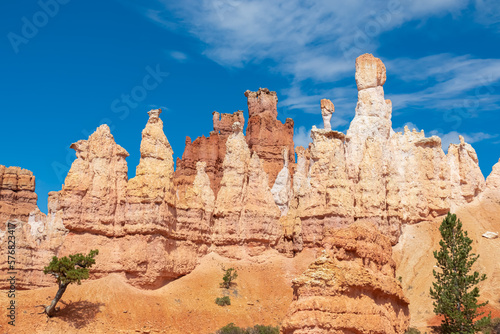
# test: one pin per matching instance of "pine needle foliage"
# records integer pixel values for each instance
(455, 290)
(67, 270)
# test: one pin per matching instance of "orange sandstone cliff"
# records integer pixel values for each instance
(350, 288)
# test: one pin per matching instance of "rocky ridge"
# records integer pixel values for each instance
(350, 288)
(242, 195)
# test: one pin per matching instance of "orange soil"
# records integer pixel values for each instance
(261, 295)
(495, 313)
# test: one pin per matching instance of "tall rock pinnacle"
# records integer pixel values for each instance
(327, 109)
(265, 134)
(153, 180)
(373, 112)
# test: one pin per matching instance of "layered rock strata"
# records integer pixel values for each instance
(374, 174)
(95, 184)
(33, 237)
(350, 288)
(132, 222)
(240, 195)
(210, 150)
(17, 193)
(245, 212)
(327, 109)
(266, 135)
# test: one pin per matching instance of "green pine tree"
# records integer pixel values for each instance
(66, 271)
(455, 291)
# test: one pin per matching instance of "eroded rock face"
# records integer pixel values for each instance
(266, 135)
(324, 192)
(36, 236)
(350, 288)
(150, 200)
(327, 109)
(282, 189)
(17, 193)
(493, 180)
(373, 112)
(245, 212)
(466, 179)
(370, 72)
(418, 185)
(375, 175)
(95, 184)
(131, 222)
(262, 101)
(210, 150)
(241, 195)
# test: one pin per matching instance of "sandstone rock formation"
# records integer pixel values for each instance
(194, 213)
(266, 135)
(17, 193)
(327, 109)
(493, 180)
(350, 288)
(324, 192)
(245, 212)
(210, 150)
(241, 195)
(149, 202)
(96, 183)
(35, 236)
(466, 179)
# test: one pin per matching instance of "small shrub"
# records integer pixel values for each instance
(492, 328)
(412, 330)
(223, 301)
(229, 276)
(257, 329)
(230, 329)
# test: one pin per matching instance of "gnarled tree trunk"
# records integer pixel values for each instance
(51, 309)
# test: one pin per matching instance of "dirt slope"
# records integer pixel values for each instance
(261, 295)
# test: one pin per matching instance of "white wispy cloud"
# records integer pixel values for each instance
(488, 13)
(302, 137)
(317, 41)
(179, 56)
(458, 86)
(305, 39)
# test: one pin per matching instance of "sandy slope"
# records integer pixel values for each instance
(109, 305)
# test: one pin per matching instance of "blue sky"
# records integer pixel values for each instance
(68, 66)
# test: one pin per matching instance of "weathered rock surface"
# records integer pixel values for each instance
(266, 135)
(373, 112)
(210, 150)
(350, 288)
(245, 212)
(17, 193)
(327, 109)
(466, 179)
(33, 237)
(324, 192)
(493, 180)
(241, 195)
(149, 203)
(96, 183)
(417, 182)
